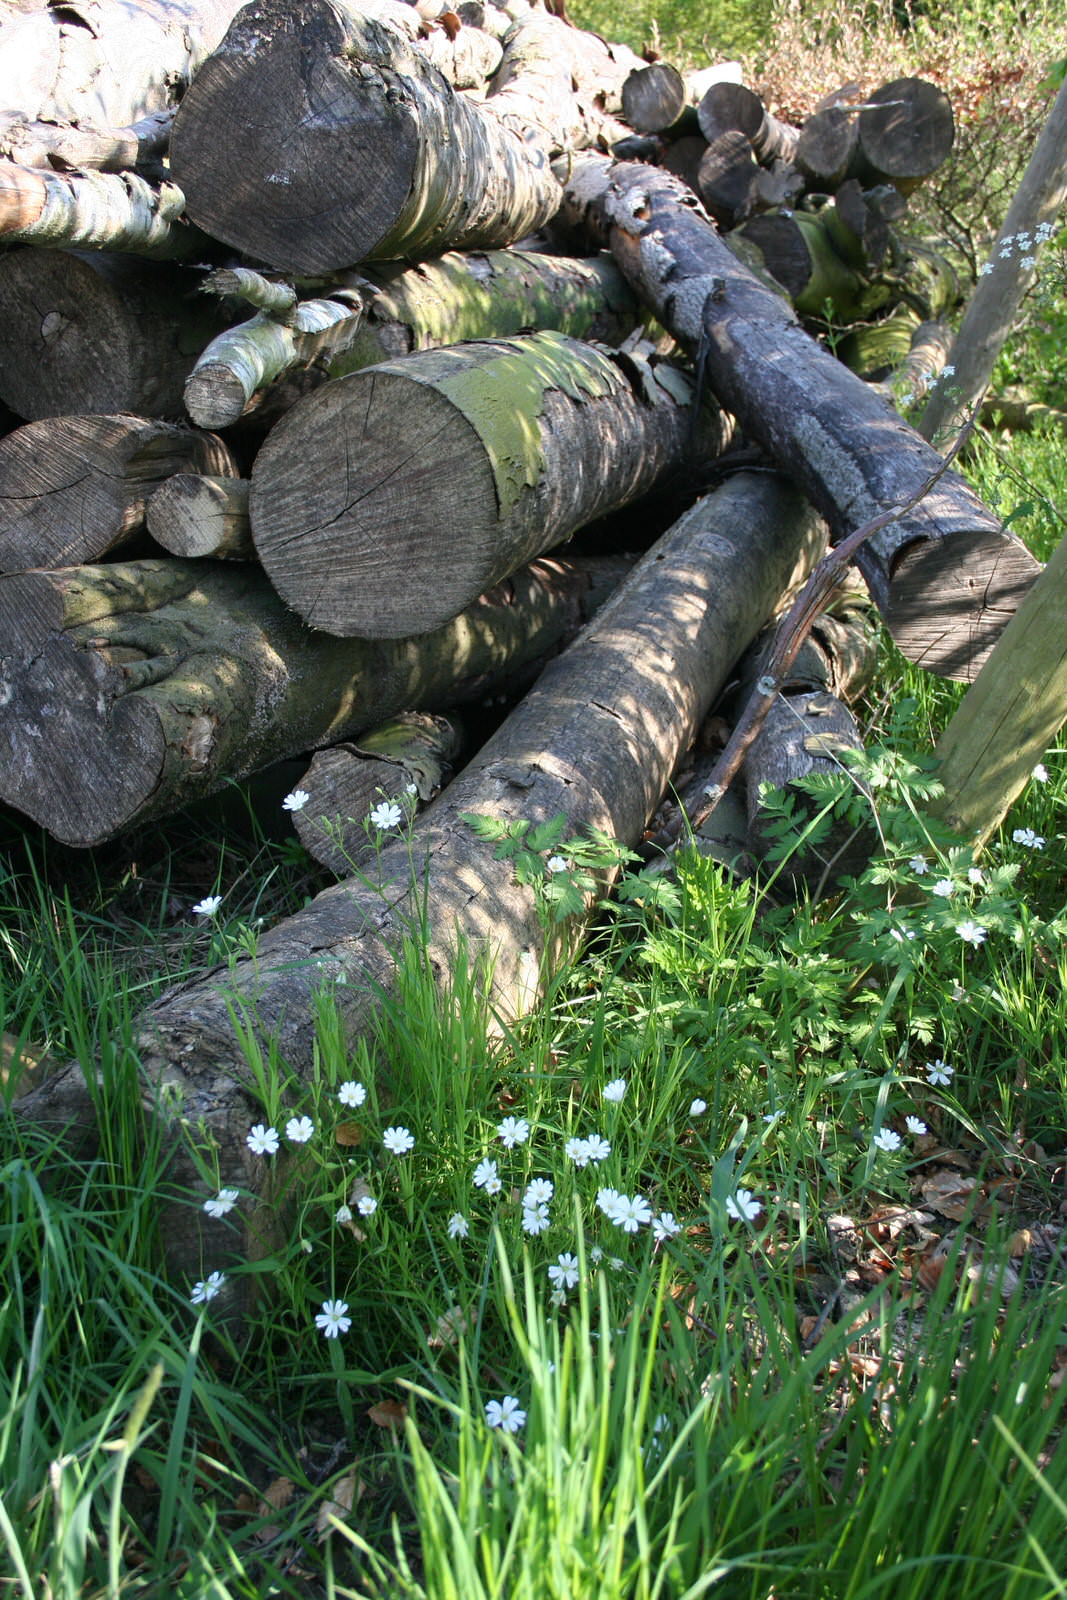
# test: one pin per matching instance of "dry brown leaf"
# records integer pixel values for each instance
(347, 1492)
(451, 1324)
(348, 1134)
(277, 1494)
(388, 1413)
(950, 1193)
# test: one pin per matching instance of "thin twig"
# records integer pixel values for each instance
(789, 635)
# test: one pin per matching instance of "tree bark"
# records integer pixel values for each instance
(131, 690)
(386, 501)
(417, 751)
(479, 295)
(355, 148)
(906, 130)
(141, 145)
(989, 315)
(945, 575)
(73, 488)
(195, 515)
(104, 65)
(98, 333)
(730, 107)
(596, 739)
(95, 211)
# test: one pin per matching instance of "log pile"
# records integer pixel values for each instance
(302, 415)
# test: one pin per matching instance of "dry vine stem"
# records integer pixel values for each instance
(788, 638)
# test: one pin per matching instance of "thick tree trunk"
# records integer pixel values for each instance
(731, 107)
(196, 515)
(104, 64)
(98, 333)
(946, 575)
(131, 690)
(596, 739)
(95, 211)
(353, 146)
(558, 85)
(386, 501)
(487, 294)
(900, 135)
(73, 488)
(405, 761)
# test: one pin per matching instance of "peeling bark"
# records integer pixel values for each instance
(946, 575)
(95, 211)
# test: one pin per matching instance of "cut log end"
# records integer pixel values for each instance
(950, 600)
(395, 529)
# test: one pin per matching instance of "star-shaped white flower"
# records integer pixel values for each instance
(971, 933)
(298, 1130)
(386, 815)
(513, 1131)
(296, 801)
(631, 1212)
(207, 1288)
(539, 1191)
(535, 1218)
(939, 1073)
(742, 1206)
(398, 1140)
(555, 864)
(223, 1202)
(665, 1226)
(263, 1141)
(915, 1125)
(333, 1319)
(366, 1205)
(506, 1414)
(351, 1094)
(615, 1090)
(485, 1173)
(697, 1107)
(887, 1140)
(1028, 838)
(563, 1274)
(458, 1226)
(208, 906)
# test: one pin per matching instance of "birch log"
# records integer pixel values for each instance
(95, 211)
(945, 575)
(384, 502)
(130, 690)
(596, 739)
(353, 147)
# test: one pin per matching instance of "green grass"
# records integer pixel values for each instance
(828, 1370)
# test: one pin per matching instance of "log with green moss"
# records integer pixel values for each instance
(945, 573)
(384, 502)
(394, 309)
(128, 691)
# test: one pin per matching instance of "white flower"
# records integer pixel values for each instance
(411, 788)
(698, 1107)
(608, 1201)
(939, 1072)
(484, 1174)
(915, 1125)
(493, 1185)
(539, 1191)
(985, 269)
(1005, 253)
(506, 1414)
(366, 1205)
(299, 1129)
(1028, 263)
(1040, 773)
(206, 1289)
(975, 875)
(333, 1318)
(398, 1140)
(296, 801)
(351, 1093)
(918, 865)
(513, 1131)
(535, 1218)
(615, 1090)
(558, 1298)
(208, 906)
(224, 1201)
(887, 1140)
(664, 1226)
(263, 1141)
(742, 1207)
(971, 933)
(564, 1273)
(555, 864)
(943, 887)
(771, 1117)
(597, 1149)
(386, 815)
(1027, 837)
(458, 1226)
(631, 1211)
(948, 372)
(342, 1215)
(577, 1150)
